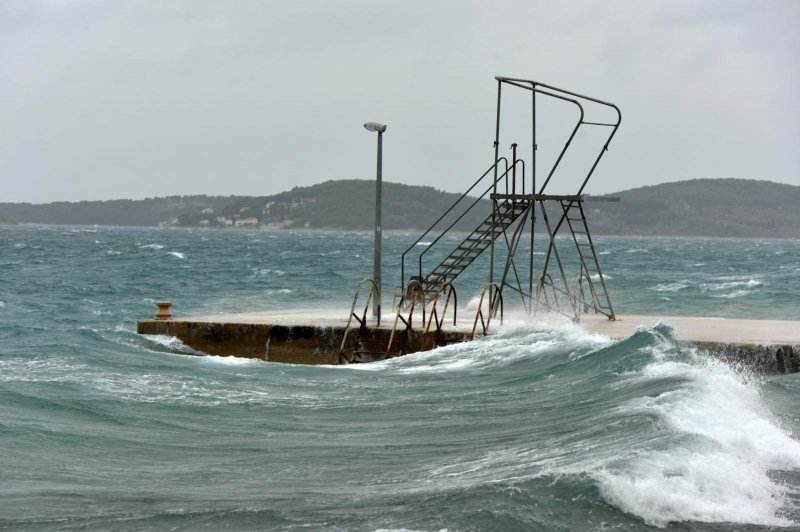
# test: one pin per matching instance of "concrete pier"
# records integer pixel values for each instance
(315, 336)
(294, 336)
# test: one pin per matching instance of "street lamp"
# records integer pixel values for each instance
(376, 262)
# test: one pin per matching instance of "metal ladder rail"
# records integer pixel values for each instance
(552, 251)
(472, 247)
(491, 187)
(606, 309)
(512, 248)
(434, 224)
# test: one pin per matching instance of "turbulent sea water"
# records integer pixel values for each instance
(537, 427)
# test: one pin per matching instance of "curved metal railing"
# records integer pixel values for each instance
(362, 321)
(416, 293)
(495, 295)
(433, 315)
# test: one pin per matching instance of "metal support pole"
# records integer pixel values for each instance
(494, 186)
(376, 265)
(534, 147)
(514, 169)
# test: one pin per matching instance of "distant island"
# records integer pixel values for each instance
(698, 207)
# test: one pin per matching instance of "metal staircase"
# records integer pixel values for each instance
(515, 210)
(474, 244)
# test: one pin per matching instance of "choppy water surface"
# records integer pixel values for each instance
(535, 428)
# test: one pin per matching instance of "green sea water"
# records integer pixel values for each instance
(537, 427)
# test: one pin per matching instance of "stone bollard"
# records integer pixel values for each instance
(163, 312)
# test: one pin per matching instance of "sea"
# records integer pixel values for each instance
(538, 426)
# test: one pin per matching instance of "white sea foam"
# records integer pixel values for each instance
(165, 341)
(151, 246)
(423, 244)
(516, 339)
(728, 284)
(177, 254)
(711, 460)
(670, 287)
(193, 390)
(269, 271)
(278, 291)
(720, 470)
(735, 294)
(228, 361)
(472, 304)
(637, 250)
(2, 304)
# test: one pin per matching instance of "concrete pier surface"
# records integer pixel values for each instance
(703, 330)
(314, 336)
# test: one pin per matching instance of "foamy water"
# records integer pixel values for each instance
(540, 426)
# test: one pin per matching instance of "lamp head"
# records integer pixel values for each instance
(375, 126)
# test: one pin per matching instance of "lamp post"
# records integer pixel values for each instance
(376, 263)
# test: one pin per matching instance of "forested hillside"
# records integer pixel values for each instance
(701, 207)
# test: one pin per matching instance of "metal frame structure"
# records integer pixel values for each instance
(515, 209)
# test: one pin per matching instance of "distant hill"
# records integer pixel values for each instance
(147, 212)
(703, 207)
(699, 207)
(346, 204)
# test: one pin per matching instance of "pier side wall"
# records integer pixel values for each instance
(304, 344)
(759, 358)
(295, 344)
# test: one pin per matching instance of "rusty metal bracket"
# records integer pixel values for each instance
(433, 317)
(495, 296)
(416, 293)
(362, 321)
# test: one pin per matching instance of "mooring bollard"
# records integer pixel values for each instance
(163, 312)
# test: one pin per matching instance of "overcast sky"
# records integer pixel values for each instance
(132, 99)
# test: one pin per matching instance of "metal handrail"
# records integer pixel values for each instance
(504, 175)
(556, 290)
(555, 92)
(415, 289)
(464, 195)
(494, 293)
(541, 284)
(433, 316)
(373, 289)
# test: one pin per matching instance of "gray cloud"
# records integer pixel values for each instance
(103, 100)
